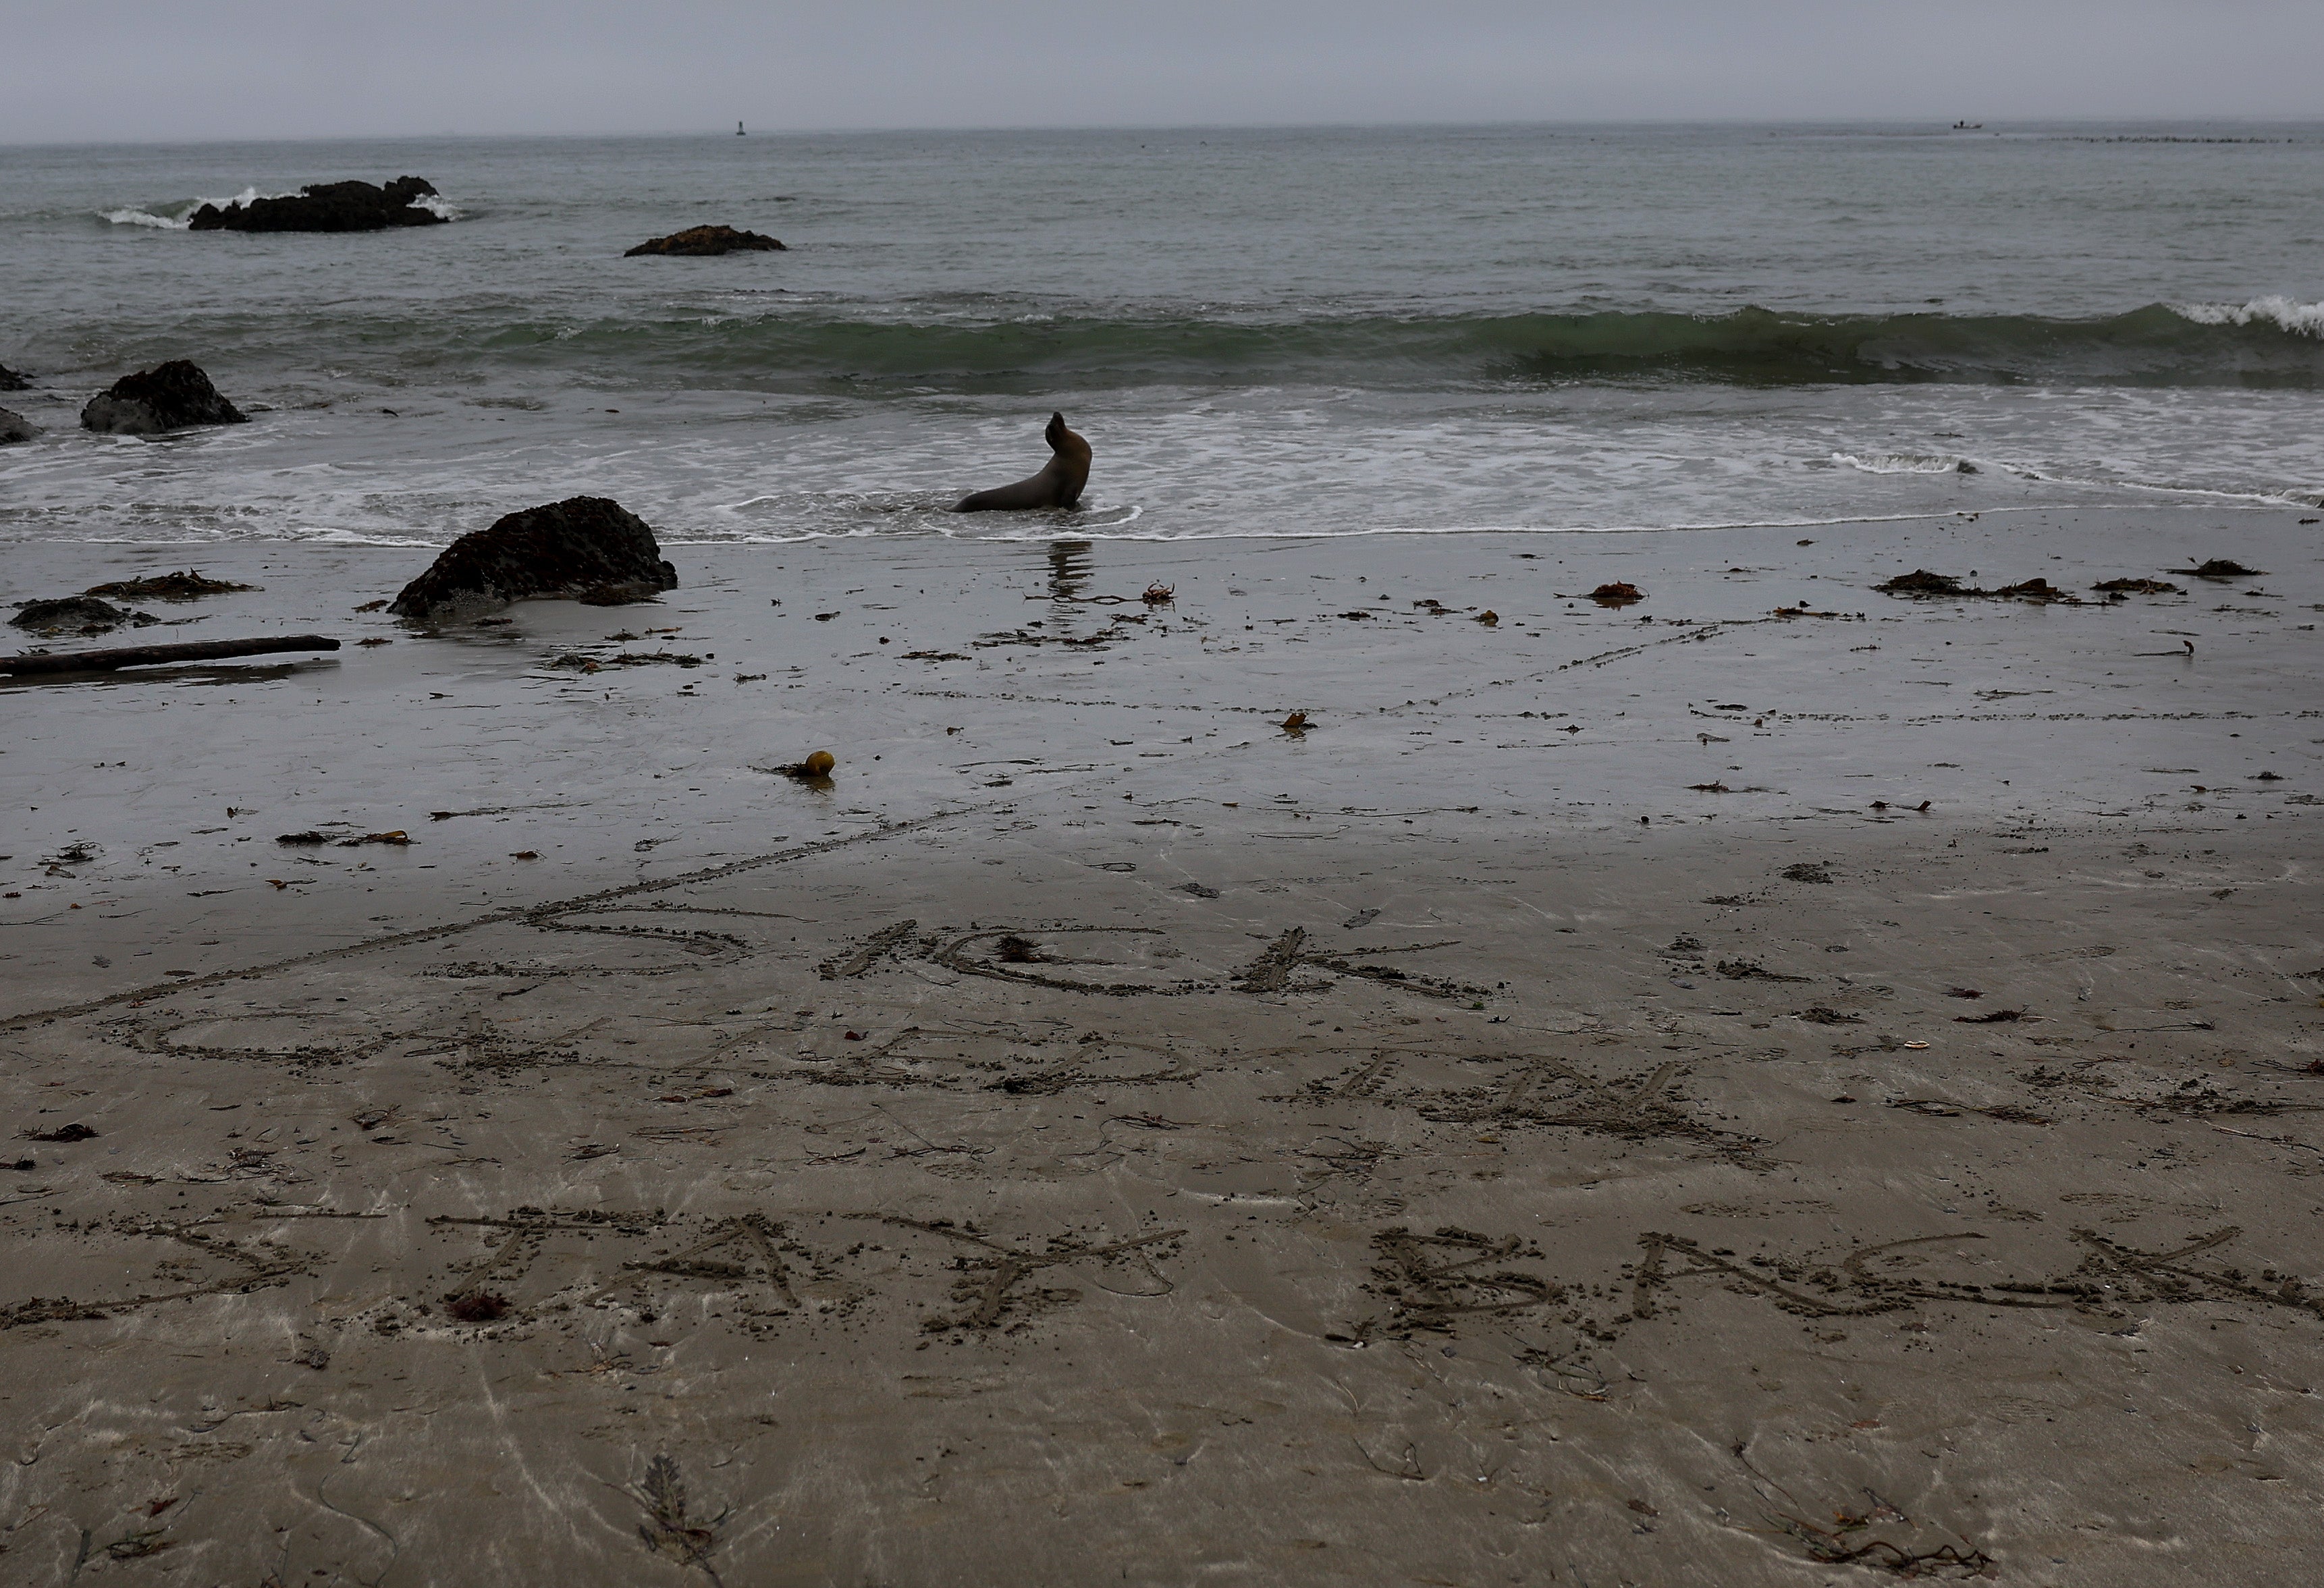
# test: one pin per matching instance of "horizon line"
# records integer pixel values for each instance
(1991, 125)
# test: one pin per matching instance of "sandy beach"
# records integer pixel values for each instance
(1572, 1114)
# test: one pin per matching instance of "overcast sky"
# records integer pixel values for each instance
(150, 70)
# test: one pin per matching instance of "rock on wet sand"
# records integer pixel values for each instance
(586, 547)
(77, 614)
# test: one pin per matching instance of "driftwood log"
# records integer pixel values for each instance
(82, 661)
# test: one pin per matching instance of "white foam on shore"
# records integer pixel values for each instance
(1903, 462)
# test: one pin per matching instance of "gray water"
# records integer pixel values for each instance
(1307, 332)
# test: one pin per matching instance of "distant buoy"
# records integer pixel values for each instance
(739, 131)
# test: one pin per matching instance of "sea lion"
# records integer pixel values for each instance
(1058, 485)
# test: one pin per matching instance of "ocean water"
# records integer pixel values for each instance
(1304, 332)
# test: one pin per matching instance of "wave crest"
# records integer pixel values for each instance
(2305, 319)
(806, 349)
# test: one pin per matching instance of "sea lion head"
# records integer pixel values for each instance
(1064, 442)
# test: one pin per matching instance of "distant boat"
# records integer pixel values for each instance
(1959, 126)
(739, 131)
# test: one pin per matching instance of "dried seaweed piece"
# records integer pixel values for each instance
(75, 1131)
(1746, 970)
(477, 1306)
(1921, 582)
(187, 585)
(669, 1529)
(2220, 567)
(1819, 1015)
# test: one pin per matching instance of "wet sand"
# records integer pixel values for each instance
(1107, 1137)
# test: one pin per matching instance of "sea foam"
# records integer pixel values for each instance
(2305, 319)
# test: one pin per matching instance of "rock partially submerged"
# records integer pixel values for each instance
(701, 242)
(77, 614)
(326, 206)
(11, 381)
(15, 427)
(169, 396)
(585, 547)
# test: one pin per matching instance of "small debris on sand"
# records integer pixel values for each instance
(1745, 969)
(816, 767)
(1921, 585)
(590, 664)
(2220, 567)
(2138, 587)
(1616, 594)
(1921, 582)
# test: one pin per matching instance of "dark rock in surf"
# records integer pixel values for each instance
(326, 206)
(77, 614)
(570, 550)
(702, 242)
(169, 396)
(15, 427)
(11, 381)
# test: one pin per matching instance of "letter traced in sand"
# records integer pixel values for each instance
(1058, 485)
